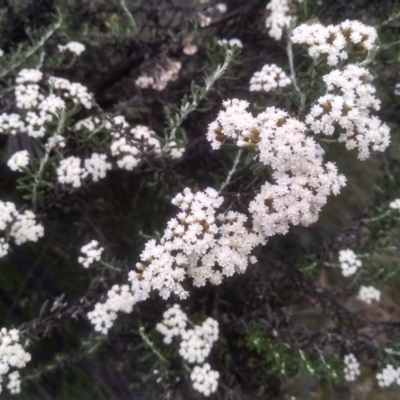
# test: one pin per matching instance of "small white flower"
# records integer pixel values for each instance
(279, 18)
(89, 123)
(70, 171)
(27, 95)
(102, 317)
(351, 368)
(221, 7)
(12, 356)
(29, 75)
(395, 205)
(269, 78)
(35, 123)
(91, 253)
(388, 376)
(14, 382)
(332, 41)
(26, 229)
(173, 323)
(161, 75)
(97, 166)
(189, 49)
(51, 105)
(204, 20)
(130, 149)
(11, 124)
(74, 47)
(347, 105)
(78, 93)
(197, 343)
(119, 299)
(368, 294)
(349, 262)
(230, 43)
(18, 160)
(55, 141)
(205, 380)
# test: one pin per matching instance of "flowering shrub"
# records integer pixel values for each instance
(245, 172)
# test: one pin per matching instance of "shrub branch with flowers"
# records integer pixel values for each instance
(272, 273)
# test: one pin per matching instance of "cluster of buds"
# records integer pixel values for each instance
(162, 74)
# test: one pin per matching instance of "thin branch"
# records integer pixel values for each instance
(35, 48)
(289, 51)
(379, 217)
(151, 345)
(231, 172)
(130, 16)
(43, 161)
(390, 19)
(185, 109)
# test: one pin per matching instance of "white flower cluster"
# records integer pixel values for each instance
(71, 172)
(29, 75)
(97, 166)
(173, 323)
(189, 49)
(161, 76)
(204, 20)
(303, 182)
(278, 18)
(347, 105)
(395, 205)
(205, 380)
(119, 299)
(73, 91)
(11, 123)
(197, 244)
(130, 145)
(333, 41)
(130, 148)
(117, 126)
(18, 160)
(388, 376)
(368, 294)
(193, 245)
(90, 123)
(14, 382)
(27, 95)
(269, 78)
(37, 108)
(22, 226)
(204, 246)
(195, 345)
(74, 47)
(396, 89)
(232, 123)
(91, 253)
(349, 262)
(230, 43)
(221, 7)
(351, 368)
(25, 229)
(54, 141)
(12, 355)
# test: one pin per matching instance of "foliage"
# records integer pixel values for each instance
(286, 324)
